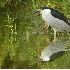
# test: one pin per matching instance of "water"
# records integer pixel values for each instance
(23, 37)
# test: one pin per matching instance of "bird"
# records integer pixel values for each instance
(54, 50)
(55, 19)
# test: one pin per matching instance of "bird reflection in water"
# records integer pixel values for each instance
(54, 50)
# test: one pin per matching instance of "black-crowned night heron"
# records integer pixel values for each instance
(55, 19)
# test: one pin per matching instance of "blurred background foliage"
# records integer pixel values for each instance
(22, 36)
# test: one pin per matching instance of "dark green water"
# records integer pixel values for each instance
(22, 36)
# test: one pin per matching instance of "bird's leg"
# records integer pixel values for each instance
(54, 33)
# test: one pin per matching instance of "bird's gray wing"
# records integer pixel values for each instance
(60, 16)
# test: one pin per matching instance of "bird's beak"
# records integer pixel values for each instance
(37, 11)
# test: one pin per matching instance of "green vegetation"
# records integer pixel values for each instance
(22, 37)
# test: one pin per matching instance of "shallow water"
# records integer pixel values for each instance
(23, 37)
